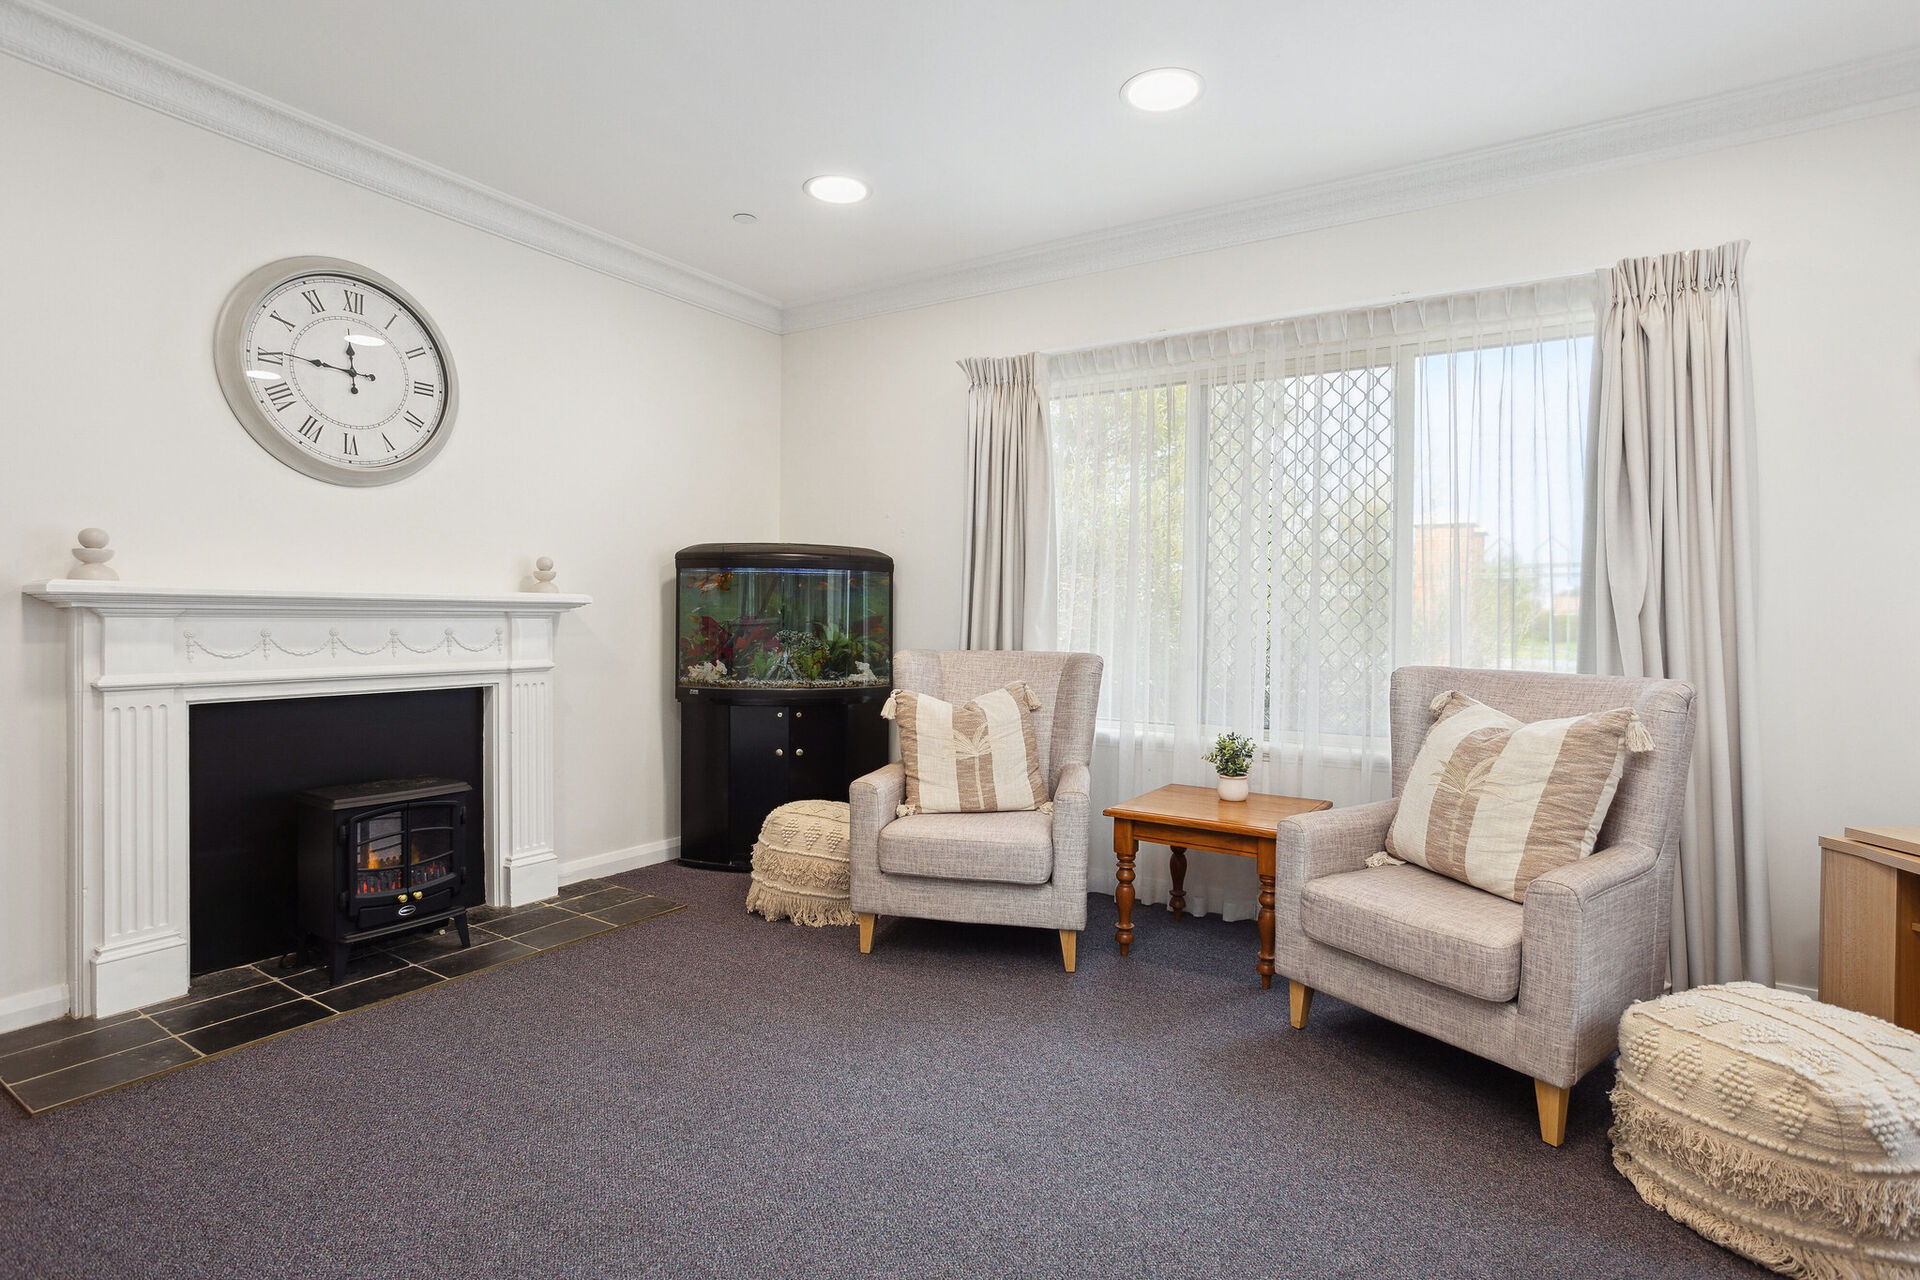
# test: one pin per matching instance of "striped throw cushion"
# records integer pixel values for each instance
(979, 757)
(1494, 802)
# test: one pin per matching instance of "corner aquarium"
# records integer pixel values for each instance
(781, 616)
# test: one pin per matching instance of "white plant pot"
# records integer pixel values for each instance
(1234, 789)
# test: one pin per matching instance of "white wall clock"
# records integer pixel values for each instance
(335, 370)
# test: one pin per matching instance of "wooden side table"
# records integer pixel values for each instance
(1870, 922)
(1184, 818)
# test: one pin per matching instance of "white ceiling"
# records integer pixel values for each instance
(984, 127)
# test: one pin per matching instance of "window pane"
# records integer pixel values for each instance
(1498, 497)
(1120, 481)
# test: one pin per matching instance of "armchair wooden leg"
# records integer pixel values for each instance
(1552, 1101)
(1069, 938)
(1299, 1002)
(866, 919)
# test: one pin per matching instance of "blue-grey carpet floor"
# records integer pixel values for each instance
(713, 1095)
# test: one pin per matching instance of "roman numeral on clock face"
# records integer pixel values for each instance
(280, 394)
(391, 447)
(416, 419)
(352, 446)
(282, 319)
(273, 358)
(355, 302)
(416, 353)
(311, 428)
(313, 300)
(423, 389)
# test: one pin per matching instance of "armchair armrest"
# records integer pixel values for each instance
(1072, 809)
(1578, 885)
(872, 801)
(1313, 845)
(1594, 938)
(1333, 840)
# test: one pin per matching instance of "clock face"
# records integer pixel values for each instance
(335, 370)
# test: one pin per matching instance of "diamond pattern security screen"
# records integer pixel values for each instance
(1307, 460)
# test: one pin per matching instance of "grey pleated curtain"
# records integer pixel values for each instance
(1007, 555)
(1668, 585)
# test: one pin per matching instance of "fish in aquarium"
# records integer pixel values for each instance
(716, 582)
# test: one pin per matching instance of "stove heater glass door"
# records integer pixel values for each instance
(430, 843)
(379, 853)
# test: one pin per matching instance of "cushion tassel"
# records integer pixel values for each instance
(1439, 703)
(1032, 698)
(1638, 739)
(886, 712)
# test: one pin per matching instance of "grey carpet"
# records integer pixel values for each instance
(713, 1095)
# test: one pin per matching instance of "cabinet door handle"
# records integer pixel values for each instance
(799, 751)
(779, 715)
(779, 751)
(796, 715)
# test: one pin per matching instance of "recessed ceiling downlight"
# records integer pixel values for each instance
(1161, 89)
(836, 189)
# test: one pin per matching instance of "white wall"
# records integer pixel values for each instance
(599, 423)
(874, 421)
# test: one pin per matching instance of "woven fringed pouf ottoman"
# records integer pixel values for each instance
(1785, 1129)
(800, 864)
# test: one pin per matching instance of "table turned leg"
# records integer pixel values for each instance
(1124, 847)
(1177, 865)
(1265, 865)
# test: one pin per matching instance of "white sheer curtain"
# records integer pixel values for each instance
(1255, 525)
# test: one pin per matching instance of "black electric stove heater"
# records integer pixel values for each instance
(380, 858)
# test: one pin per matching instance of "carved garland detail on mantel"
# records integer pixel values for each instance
(266, 645)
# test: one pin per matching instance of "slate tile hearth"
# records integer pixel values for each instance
(62, 1061)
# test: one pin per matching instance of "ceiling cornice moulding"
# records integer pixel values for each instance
(70, 46)
(1853, 91)
(81, 51)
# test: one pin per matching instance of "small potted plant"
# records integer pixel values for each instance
(1231, 758)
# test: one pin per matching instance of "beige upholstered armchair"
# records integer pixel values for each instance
(986, 868)
(1538, 986)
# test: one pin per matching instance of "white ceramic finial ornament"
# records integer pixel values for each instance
(93, 554)
(543, 575)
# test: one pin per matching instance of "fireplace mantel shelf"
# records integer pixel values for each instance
(144, 655)
(141, 598)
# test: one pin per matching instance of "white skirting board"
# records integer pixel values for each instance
(32, 1007)
(614, 861)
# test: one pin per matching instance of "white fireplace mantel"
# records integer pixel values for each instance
(142, 655)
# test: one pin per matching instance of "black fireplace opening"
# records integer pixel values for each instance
(248, 762)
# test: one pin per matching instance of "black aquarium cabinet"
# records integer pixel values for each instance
(783, 659)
